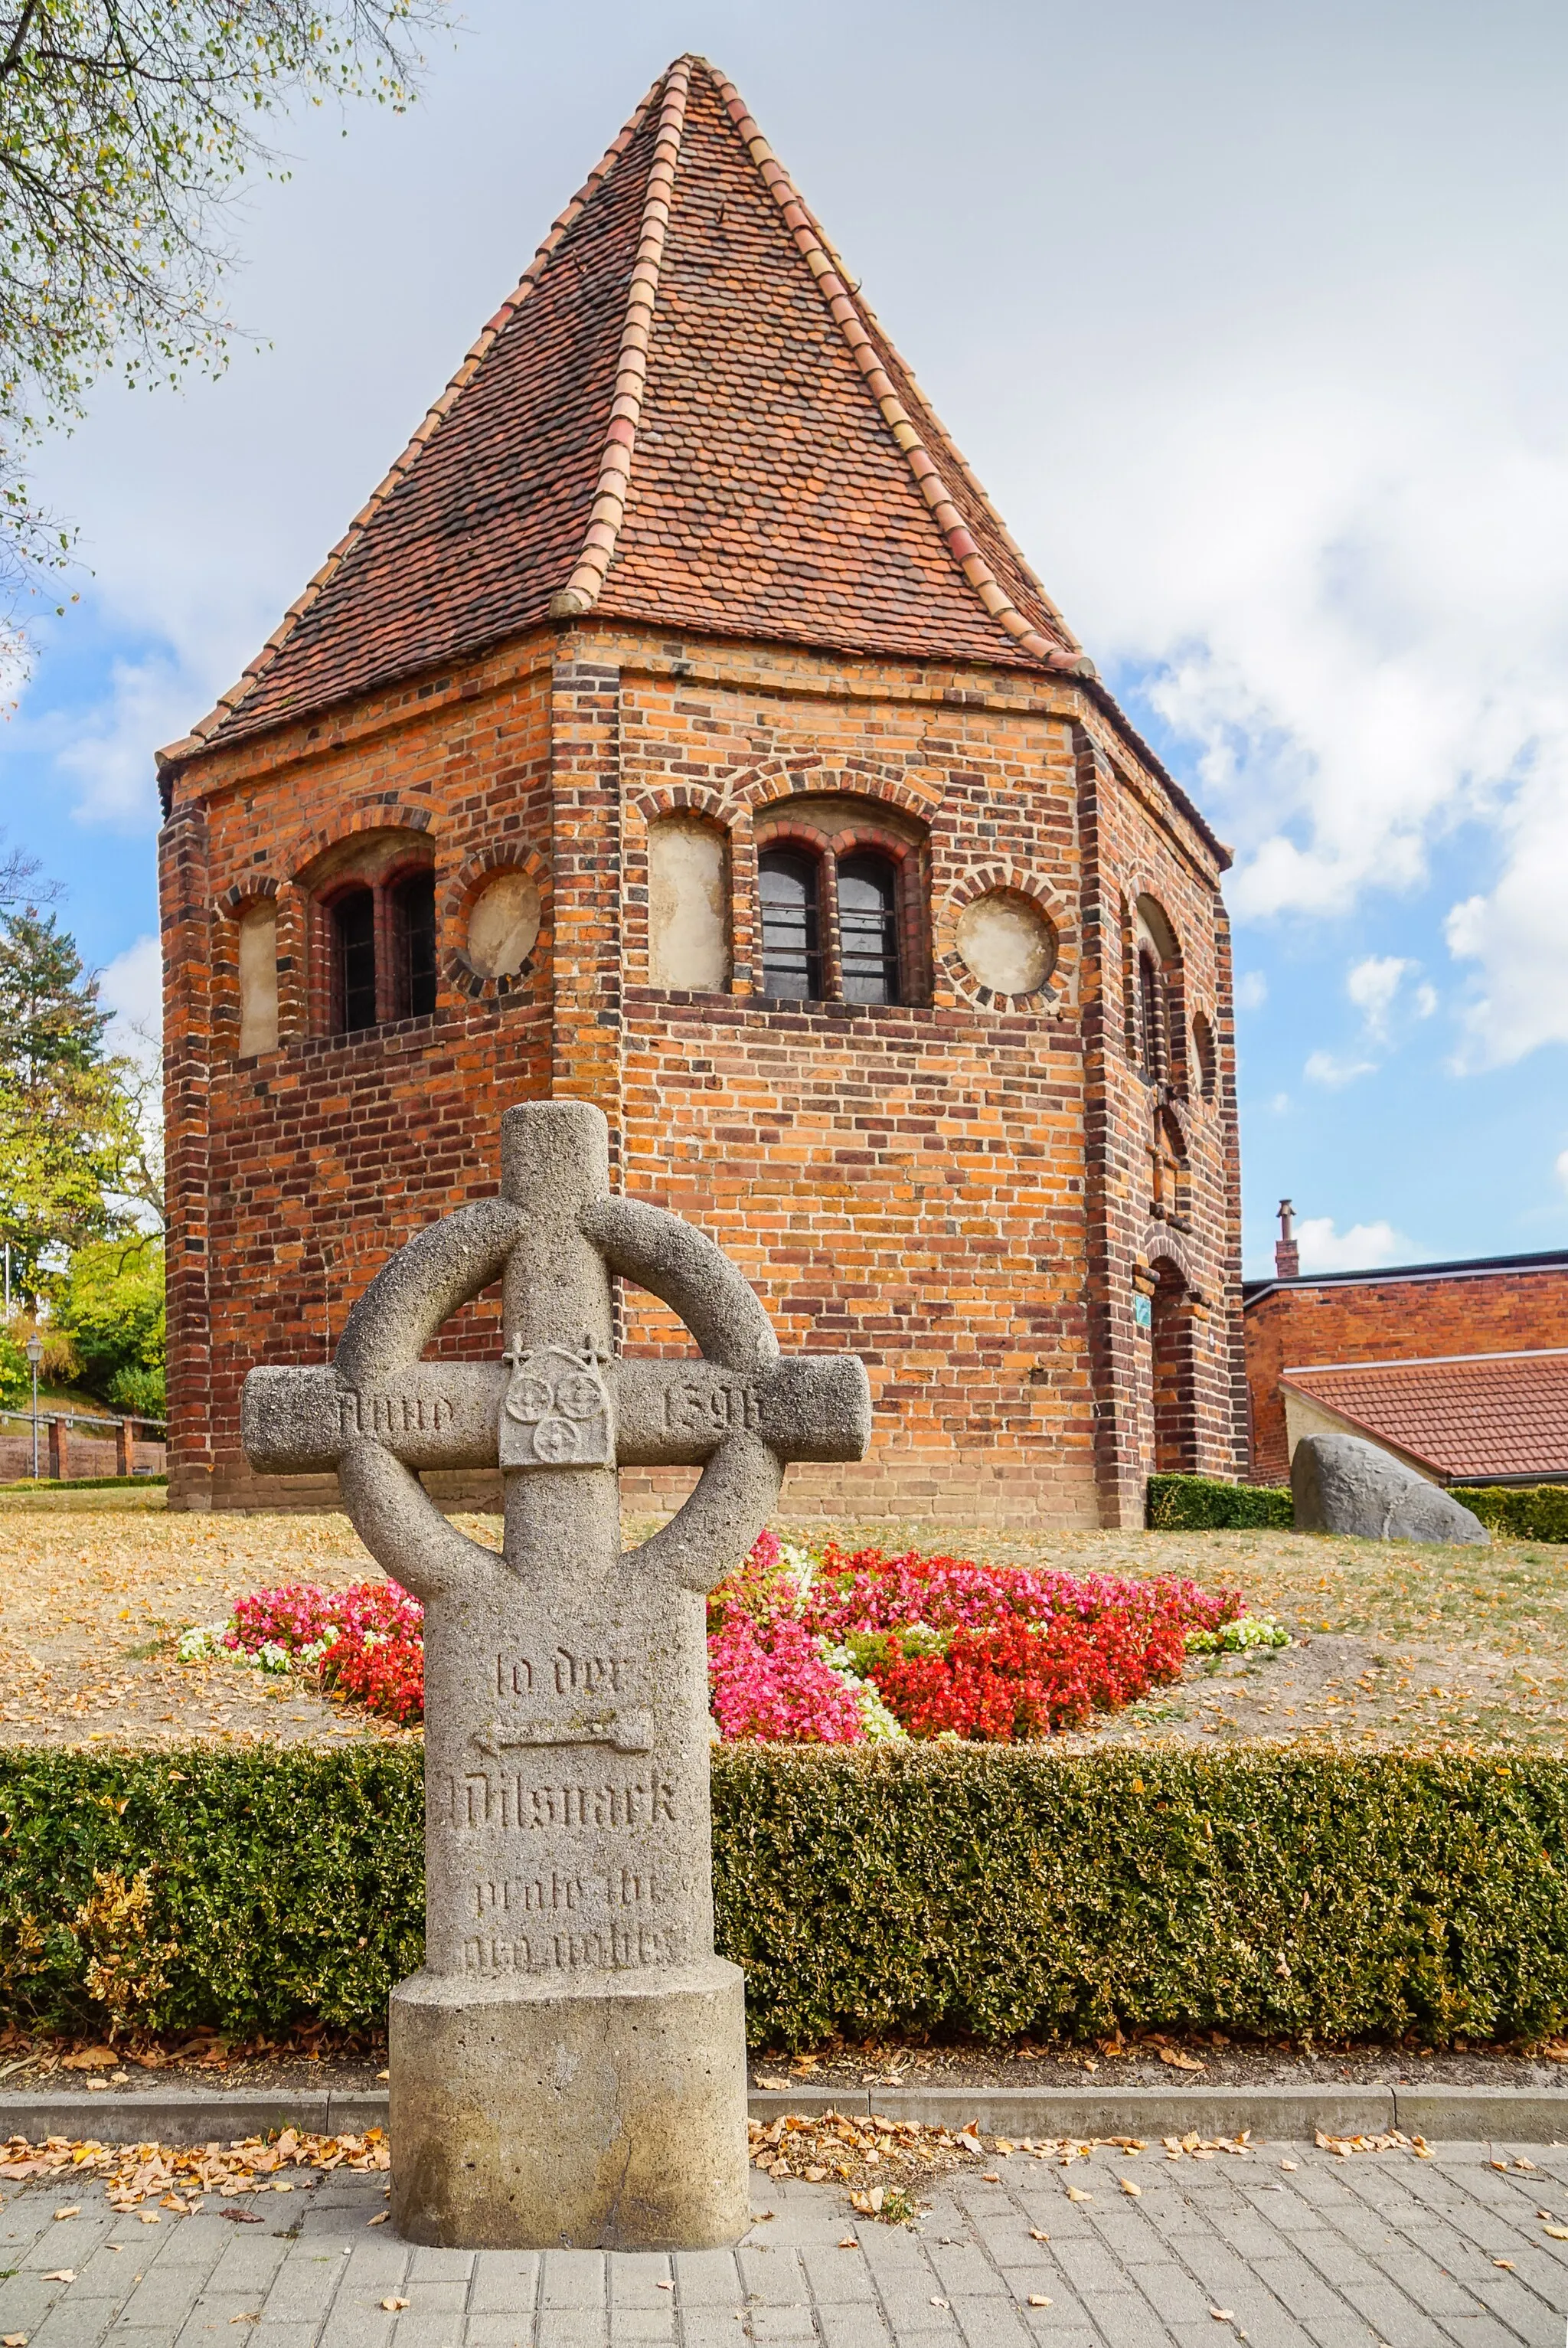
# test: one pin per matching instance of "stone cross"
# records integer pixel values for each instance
(570, 2064)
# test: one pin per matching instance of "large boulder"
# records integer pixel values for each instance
(1341, 1484)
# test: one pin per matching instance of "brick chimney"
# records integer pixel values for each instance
(1286, 1255)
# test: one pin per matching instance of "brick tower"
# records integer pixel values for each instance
(679, 726)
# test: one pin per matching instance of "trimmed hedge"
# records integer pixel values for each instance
(984, 1889)
(1196, 1504)
(1535, 1512)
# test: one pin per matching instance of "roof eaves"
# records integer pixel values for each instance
(1371, 1434)
(583, 588)
(929, 476)
(201, 735)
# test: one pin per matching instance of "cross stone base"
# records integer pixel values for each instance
(523, 2119)
(568, 2067)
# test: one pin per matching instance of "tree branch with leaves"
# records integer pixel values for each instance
(126, 128)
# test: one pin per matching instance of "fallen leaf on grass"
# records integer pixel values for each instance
(75, 2211)
(394, 2306)
(380, 2218)
(1179, 2061)
(1039, 2298)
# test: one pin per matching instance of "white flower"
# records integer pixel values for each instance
(202, 1644)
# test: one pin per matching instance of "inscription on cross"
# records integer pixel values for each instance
(568, 1903)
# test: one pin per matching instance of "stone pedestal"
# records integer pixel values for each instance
(617, 2119)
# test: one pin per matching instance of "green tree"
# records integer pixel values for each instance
(110, 1306)
(69, 1139)
(124, 128)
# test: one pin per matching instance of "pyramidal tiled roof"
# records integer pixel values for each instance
(684, 415)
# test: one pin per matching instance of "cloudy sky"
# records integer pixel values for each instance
(1254, 320)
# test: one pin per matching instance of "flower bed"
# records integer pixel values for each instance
(822, 1647)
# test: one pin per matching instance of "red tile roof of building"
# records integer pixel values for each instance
(684, 415)
(1469, 1415)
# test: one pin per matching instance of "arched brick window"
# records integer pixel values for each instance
(1159, 1024)
(353, 918)
(373, 933)
(789, 888)
(842, 897)
(413, 945)
(869, 929)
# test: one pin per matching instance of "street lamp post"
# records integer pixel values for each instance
(34, 1354)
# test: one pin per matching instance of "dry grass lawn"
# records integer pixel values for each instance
(1395, 1645)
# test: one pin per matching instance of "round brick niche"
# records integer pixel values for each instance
(1006, 944)
(503, 923)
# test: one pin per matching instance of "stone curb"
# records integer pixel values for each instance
(1274, 2114)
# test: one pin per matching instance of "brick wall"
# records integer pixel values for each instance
(1509, 1310)
(956, 1188)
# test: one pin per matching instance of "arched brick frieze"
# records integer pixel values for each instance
(1007, 882)
(460, 957)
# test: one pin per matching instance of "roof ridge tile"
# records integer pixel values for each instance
(584, 587)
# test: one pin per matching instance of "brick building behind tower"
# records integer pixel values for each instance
(678, 695)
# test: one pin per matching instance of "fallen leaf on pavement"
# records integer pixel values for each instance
(394, 2306)
(1036, 2235)
(1290, 2164)
(1222, 2314)
(380, 2218)
(1179, 2061)
(991, 2176)
(848, 2242)
(1039, 2298)
(1076, 2193)
(15, 2340)
(1558, 2233)
(663, 2286)
(75, 2211)
(1504, 2262)
(62, 2274)
(242, 2217)
(938, 2303)
(1135, 2190)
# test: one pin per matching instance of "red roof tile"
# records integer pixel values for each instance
(683, 415)
(1471, 1414)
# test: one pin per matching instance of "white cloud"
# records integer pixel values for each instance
(1280, 1104)
(1372, 985)
(132, 986)
(1360, 1248)
(1251, 990)
(1327, 1068)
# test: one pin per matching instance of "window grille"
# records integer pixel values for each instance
(353, 935)
(791, 956)
(869, 929)
(414, 905)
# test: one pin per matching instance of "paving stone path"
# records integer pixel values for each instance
(1330, 2254)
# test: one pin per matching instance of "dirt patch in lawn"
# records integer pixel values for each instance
(1396, 1644)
